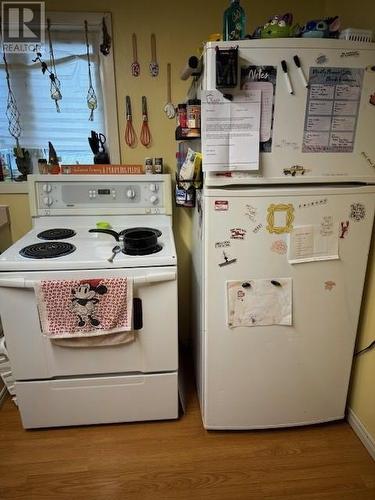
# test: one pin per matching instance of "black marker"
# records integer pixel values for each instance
(300, 71)
(287, 79)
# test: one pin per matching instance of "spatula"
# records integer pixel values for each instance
(169, 108)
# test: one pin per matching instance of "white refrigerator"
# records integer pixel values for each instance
(280, 254)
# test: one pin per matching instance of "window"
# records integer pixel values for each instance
(69, 129)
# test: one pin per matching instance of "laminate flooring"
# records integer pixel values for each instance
(180, 460)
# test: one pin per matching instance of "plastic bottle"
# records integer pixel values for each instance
(234, 24)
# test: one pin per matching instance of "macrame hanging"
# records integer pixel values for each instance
(12, 113)
(55, 89)
(92, 101)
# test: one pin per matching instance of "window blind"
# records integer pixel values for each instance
(40, 122)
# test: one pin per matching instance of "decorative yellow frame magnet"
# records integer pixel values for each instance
(289, 218)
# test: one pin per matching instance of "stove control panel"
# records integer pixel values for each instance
(123, 194)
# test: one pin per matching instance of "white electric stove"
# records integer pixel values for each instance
(60, 385)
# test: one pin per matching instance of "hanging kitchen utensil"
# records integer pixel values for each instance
(12, 113)
(55, 89)
(154, 66)
(130, 137)
(136, 69)
(145, 136)
(169, 108)
(92, 101)
(105, 46)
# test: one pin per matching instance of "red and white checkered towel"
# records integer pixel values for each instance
(85, 308)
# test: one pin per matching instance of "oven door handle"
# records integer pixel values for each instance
(147, 279)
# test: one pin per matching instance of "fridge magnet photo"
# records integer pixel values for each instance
(279, 247)
(357, 211)
(344, 229)
(226, 260)
(237, 233)
(222, 244)
(280, 218)
(329, 285)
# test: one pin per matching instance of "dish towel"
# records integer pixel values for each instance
(84, 308)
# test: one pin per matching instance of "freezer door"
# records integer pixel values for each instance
(319, 134)
(259, 376)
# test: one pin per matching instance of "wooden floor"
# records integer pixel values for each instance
(180, 460)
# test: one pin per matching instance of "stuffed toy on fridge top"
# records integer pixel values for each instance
(279, 26)
(321, 28)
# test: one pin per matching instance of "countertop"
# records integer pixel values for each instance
(12, 187)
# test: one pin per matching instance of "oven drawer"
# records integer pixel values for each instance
(97, 400)
(34, 356)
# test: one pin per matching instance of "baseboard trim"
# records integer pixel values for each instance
(361, 431)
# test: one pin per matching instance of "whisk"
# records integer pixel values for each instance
(130, 137)
(145, 136)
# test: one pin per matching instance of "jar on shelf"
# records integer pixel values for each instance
(194, 113)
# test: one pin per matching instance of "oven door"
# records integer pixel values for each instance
(34, 356)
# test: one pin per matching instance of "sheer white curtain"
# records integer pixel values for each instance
(40, 122)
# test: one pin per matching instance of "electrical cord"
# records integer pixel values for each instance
(365, 349)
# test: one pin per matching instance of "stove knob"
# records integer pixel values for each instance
(130, 193)
(47, 200)
(47, 188)
(153, 188)
(154, 199)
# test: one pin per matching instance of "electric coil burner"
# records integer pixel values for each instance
(56, 234)
(47, 250)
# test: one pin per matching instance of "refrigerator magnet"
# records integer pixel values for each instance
(226, 260)
(372, 99)
(221, 205)
(326, 226)
(329, 285)
(357, 211)
(279, 247)
(222, 244)
(280, 218)
(237, 233)
(251, 212)
(257, 228)
(369, 161)
(321, 59)
(344, 228)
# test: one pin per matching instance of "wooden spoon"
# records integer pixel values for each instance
(169, 108)
(136, 69)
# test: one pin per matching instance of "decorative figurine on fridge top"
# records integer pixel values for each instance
(279, 26)
(328, 27)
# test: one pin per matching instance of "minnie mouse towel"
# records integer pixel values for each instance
(85, 308)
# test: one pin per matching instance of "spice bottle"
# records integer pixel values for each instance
(194, 113)
(158, 166)
(182, 115)
(148, 166)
